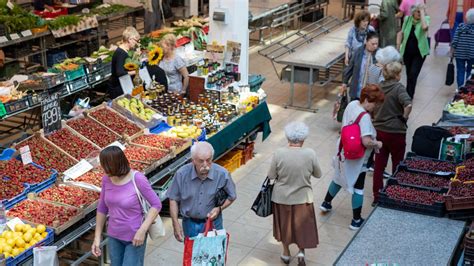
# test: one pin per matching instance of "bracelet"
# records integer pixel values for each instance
(220, 209)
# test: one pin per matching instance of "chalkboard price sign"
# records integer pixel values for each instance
(51, 113)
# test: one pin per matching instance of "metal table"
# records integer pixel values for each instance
(314, 53)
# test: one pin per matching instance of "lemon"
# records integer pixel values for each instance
(27, 245)
(7, 234)
(44, 234)
(21, 250)
(4, 233)
(36, 235)
(7, 255)
(27, 237)
(33, 242)
(26, 228)
(17, 234)
(11, 242)
(20, 243)
(7, 249)
(19, 227)
(15, 252)
(38, 238)
(1, 247)
(32, 231)
(40, 228)
(2, 240)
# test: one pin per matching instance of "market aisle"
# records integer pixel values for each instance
(252, 241)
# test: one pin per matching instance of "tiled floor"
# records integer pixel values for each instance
(251, 241)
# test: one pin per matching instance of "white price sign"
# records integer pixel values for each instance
(26, 33)
(79, 169)
(14, 36)
(25, 154)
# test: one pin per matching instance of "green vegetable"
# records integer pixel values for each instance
(64, 21)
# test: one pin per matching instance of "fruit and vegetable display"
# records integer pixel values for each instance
(147, 155)
(424, 197)
(17, 19)
(25, 236)
(160, 142)
(461, 190)
(468, 98)
(18, 173)
(424, 164)
(43, 212)
(465, 174)
(460, 108)
(69, 64)
(460, 130)
(93, 131)
(72, 144)
(64, 21)
(107, 9)
(183, 132)
(104, 53)
(69, 195)
(420, 179)
(114, 121)
(137, 108)
(92, 177)
(47, 155)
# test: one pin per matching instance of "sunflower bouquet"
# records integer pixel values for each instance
(132, 63)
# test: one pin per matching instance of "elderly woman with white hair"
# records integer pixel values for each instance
(383, 57)
(462, 48)
(294, 220)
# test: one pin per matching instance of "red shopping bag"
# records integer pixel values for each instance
(189, 244)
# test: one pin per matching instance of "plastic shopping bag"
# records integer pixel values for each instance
(45, 256)
(208, 248)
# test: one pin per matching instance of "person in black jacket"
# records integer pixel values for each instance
(130, 38)
(159, 74)
(360, 65)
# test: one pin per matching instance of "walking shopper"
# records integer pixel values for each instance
(413, 45)
(358, 70)
(294, 220)
(350, 174)
(194, 188)
(462, 48)
(127, 228)
(388, 22)
(391, 123)
(357, 34)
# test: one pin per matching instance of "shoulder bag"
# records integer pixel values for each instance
(156, 229)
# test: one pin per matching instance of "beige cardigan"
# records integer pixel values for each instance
(292, 167)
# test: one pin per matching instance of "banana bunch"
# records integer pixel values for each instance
(183, 132)
(137, 108)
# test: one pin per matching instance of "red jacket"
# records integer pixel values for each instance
(452, 9)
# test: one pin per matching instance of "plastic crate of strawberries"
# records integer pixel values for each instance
(74, 196)
(47, 155)
(39, 212)
(409, 199)
(160, 142)
(114, 121)
(141, 167)
(72, 144)
(12, 192)
(93, 131)
(16, 171)
(93, 177)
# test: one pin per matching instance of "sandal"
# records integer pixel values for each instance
(300, 257)
(285, 259)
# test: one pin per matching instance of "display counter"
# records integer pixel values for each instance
(391, 236)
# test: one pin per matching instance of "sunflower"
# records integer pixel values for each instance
(130, 66)
(155, 55)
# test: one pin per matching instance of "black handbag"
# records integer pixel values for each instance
(427, 140)
(343, 102)
(221, 196)
(450, 73)
(262, 206)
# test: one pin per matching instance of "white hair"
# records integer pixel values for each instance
(415, 8)
(387, 55)
(470, 16)
(200, 147)
(296, 132)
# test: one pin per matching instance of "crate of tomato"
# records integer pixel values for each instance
(460, 196)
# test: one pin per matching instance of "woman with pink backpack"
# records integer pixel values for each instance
(358, 139)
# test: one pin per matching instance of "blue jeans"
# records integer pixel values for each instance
(463, 70)
(192, 228)
(123, 253)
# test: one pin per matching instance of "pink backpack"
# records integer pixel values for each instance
(351, 140)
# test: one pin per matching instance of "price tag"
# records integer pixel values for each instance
(26, 155)
(146, 131)
(11, 224)
(118, 144)
(14, 36)
(97, 78)
(10, 5)
(3, 39)
(51, 113)
(26, 33)
(79, 169)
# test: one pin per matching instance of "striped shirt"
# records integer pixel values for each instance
(463, 41)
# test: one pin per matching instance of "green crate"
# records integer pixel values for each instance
(75, 74)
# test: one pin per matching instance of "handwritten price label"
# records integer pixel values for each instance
(51, 113)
